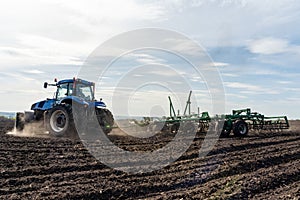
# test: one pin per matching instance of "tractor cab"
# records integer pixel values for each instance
(74, 87)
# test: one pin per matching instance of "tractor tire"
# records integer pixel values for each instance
(227, 127)
(60, 122)
(240, 128)
(105, 119)
(20, 121)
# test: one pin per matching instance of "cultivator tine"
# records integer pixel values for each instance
(276, 123)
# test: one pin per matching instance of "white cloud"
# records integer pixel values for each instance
(220, 64)
(64, 32)
(197, 79)
(293, 89)
(268, 46)
(285, 82)
(229, 75)
(184, 46)
(265, 72)
(249, 88)
(146, 58)
(138, 75)
(235, 95)
(242, 86)
(107, 10)
(271, 45)
(16, 76)
(292, 100)
(34, 71)
(39, 50)
(165, 73)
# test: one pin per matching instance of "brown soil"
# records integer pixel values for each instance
(261, 166)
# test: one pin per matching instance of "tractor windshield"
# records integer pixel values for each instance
(64, 90)
(84, 91)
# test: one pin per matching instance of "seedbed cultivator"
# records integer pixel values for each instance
(191, 122)
(239, 122)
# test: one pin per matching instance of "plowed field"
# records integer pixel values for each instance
(260, 166)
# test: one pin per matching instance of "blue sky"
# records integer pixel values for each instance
(254, 44)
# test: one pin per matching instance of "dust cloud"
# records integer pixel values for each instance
(34, 129)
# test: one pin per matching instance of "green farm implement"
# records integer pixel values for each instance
(239, 122)
(191, 122)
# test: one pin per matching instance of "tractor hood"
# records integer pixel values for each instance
(43, 105)
(49, 103)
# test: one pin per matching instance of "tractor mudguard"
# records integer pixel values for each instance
(99, 104)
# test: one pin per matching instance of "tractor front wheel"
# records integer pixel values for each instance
(60, 121)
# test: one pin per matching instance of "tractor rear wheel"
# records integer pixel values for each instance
(240, 128)
(105, 119)
(60, 121)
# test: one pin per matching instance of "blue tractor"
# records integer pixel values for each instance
(57, 114)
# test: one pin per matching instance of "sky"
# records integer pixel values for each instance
(254, 45)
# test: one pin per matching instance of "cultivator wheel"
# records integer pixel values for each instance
(227, 127)
(240, 128)
(175, 127)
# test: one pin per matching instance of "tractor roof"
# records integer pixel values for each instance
(77, 81)
(65, 81)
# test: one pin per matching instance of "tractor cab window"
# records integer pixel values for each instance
(84, 91)
(64, 90)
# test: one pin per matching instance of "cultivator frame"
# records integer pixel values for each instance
(239, 122)
(252, 121)
(257, 121)
(197, 122)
